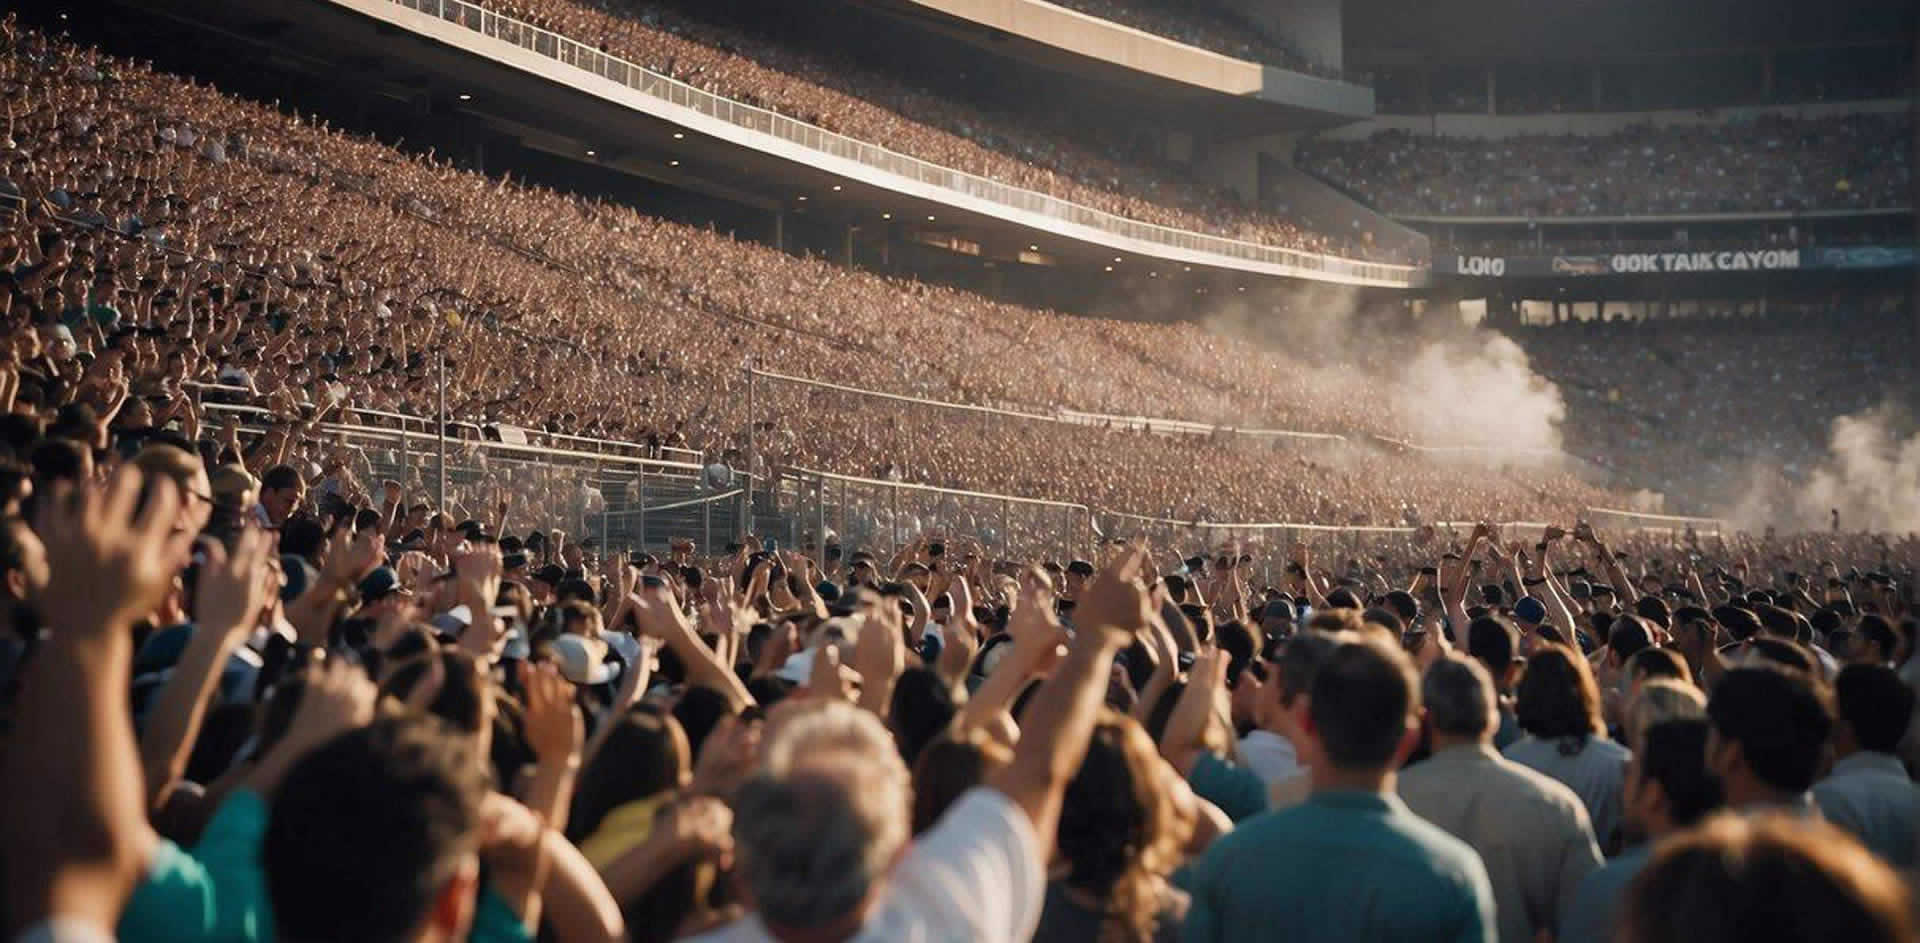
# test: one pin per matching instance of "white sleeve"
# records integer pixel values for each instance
(63, 930)
(978, 874)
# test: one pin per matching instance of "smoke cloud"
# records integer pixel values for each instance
(1870, 474)
(1449, 384)
(1479, 391)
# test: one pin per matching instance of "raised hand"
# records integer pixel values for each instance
(111, 559)
(233, 587)
(1116, 602)
(555, 728)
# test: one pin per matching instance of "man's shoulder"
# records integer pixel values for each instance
(1518, 783)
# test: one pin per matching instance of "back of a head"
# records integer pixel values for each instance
(1876, 705)
(1116, 818)
(366, 831)
(1780, 718)
(1738, 879)
(1661, 700)
(1459, 698)
(182, 466)
(1299, 661)
(279, 478)
(645, 754)
(817, 827)
(1673, 754)
(1557, 696)
(946, 769)
(1654, 610)
(1651, 663)
(1779, 651)
(1364, 697)
(1491, 640)
(1629, 636)
(1877, 631)
(923, 705)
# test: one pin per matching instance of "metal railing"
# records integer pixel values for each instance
(624, 501)
(869, 512)
(814, 138)
(1640, 520)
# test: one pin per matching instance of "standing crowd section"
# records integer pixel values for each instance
(251, 690)
(1772, 163)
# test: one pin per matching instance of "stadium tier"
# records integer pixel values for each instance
(1769, 164)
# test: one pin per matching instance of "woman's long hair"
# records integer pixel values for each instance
(1119, 831)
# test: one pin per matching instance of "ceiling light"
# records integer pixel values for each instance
(1116, 258)
(886, 215)
(1109, 268)
(803, 199)
(1189, 268)
(929, 219)
(1243, 288)
(589, 152)
(1153, 274)
(1033, 248)
(465, 97)
(836, 188)
(673, 163)
(677, 135)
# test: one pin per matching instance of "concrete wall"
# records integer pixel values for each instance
(1096, 38)
(1499, 126)
(1311, 26)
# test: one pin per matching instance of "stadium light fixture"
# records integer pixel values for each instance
(929, 217)
(836, 188)
(673, 163)
(1109, 268)
(678, 136)
(590, 152)
(1033, 248)
(465, 97)
(1153, 274)
(1116, 258)
(802, 198)
(886, 215)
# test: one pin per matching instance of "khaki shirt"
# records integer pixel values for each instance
(1531, 831)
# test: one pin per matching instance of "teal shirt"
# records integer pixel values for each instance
(218, 894)
(1343, 867)
(1237, 790)
(1595, 910)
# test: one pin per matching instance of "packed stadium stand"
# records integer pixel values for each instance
(841, 95)
(1768, 164)
(223, 240)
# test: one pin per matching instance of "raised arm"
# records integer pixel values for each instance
(1061, 716)
(231, 593)
(75, 805)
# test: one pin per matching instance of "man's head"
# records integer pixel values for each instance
(1770, 724)
(819, 826)
(1874, 641)
(1627, 637)
(1364, 717)
(1875, 708)
(1492, 641)
(403, 786)
(1285, 712)
(1668, 785)
(1460, 702)
(23, 562)
(281, 490)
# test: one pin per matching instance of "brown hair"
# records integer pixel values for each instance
(1557, 697)
(1119, 832)
(1736, 879)
(948, 767)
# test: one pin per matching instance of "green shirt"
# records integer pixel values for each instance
(1237, 790)
(218, 892)
(1343, 867)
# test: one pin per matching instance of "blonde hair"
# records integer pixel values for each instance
(1660, 700)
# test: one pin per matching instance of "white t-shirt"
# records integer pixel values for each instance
(976, 877)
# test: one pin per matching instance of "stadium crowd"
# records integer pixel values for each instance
(251, 689)
(169, 235)
(230, 711)
(1643, 400)
(1773, 163)
(843, 96)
